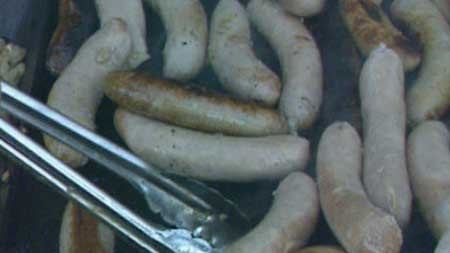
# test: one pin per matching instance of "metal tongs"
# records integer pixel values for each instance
(203, 220)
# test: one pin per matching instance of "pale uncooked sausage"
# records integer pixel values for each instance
(211, 156)
(80, 233)
(290, 221)
(79, 90)
(187, 37)
(370, 26)
(385, 175)
(301, 95)
(358, 225)
(429, 168)
(429, 96)
(303, 8)
(132, 12)
(444, 7)
(232, 57)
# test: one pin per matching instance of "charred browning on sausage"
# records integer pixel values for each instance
(370, 27)
(193, 108)
(61, 49)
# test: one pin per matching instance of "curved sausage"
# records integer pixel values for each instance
(444, 244)
(132, 12)
(429, 168)
(370, 27)
(357, 224)
(232, 57)
(79, 90)
(429, 96)
(169, 102)
(60, 50)
(211, 156)
(290, 221)
(12, 67)
(303, 8)
(444, 7)
(321, 249)
(300, 60)
(187, 37)
(382, 94)
(81, 233)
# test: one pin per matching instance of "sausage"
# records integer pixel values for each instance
(290, 221)
(211, 156)
(301, 95)
(11, 66)
(81, 233)
(370, 27)
(358, 225)
(429, 168)
(169, 102)
(444, 7)
(132, 12)
(320, 249)
(60, 52)
(232, 57)
(383, 108)
(79, 90)
(187, 37)
(303, 8)
(429, 96)
(444, 244)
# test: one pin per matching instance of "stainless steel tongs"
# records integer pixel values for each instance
(203, 220)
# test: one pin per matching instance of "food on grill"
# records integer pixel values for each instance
(232, 57)
(355, 221)
(429, 96)
(429, 168)
(301, 95)
(369, 27)
(82, 233)
(211, 156)
(320, 249)
(290, 221)
(385, 175)
(186, 27)
(303, 8)
(79, 89)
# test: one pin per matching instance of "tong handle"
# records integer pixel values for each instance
(220, 223)
(146, 236)
(53, 172)
(90, 144)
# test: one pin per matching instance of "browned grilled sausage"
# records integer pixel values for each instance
(370, 27)
(301, 95)
(82, 233)
(61, 49)
(169, 102)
